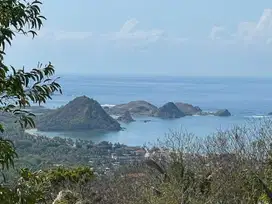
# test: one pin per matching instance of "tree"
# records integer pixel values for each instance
(20, 88)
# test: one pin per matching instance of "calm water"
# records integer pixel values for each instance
(245, 98)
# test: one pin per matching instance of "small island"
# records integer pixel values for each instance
(82, 113)
(168, 111)
(136, 108)
(178, 109)
(188, 109)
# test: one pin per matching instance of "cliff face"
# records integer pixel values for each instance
(82, 113)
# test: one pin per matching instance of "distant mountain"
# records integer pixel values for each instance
(82, 113)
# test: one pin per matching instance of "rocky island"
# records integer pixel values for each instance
(82, 113)
(168, 111)
(222, 113)
(188, 109)
(135, 108)
(126, 118)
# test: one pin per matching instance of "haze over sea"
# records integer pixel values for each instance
(245, 98)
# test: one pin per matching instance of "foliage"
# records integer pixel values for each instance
(23, 191)
(40, 152)
(232, 166)
(38, 186)
(228, 167)
(75, 175)
(20, 88)
(7, 153)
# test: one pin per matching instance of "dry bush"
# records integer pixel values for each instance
(232, 166)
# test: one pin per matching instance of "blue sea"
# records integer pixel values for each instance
(245, 98)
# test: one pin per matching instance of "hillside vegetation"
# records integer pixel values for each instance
(82, 113)
(232, 166)
(228, 167)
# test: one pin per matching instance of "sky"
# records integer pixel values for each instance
(129, 37)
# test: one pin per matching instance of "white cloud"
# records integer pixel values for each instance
(128, 26)
(246, 29)
(217, 32)
(129, 33)
(265, 23)
(130, 36)
(259, 31)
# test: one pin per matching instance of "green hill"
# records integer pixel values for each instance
(82, 113)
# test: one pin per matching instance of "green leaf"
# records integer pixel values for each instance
(18, 87)
(1, 128)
